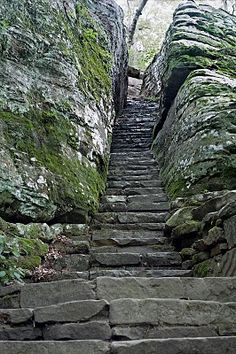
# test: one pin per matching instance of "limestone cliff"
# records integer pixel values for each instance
(193, 78)
(62, 77)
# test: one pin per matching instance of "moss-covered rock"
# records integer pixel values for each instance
(194, 79)
(63, 75)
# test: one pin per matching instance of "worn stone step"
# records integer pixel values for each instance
(204, 345)
(130, 145)
(55, 347)
(76, 311)
(138, 137)
(75, 331)
(136, 177)
(131, 217)
(125, 149)
(130, 154)
(128, 238)
(51, 293)
(138, 272)
(134, 191)
(98, 247)
(130, 227)
(172, 312)
(154, 259)
(155, 332)
(208, 289)
(133, 206)
(135, 199)
(119, 171)
(135, 184)
(133, 165)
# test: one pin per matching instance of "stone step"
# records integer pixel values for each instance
(136, 165)
(55, 347)
(134, 206)
(140, 332)
(134, 191)
(142, 154)
(125, 149)
(172, 312)
(132, 163)
(138, 272)
(208, 289)
(97, 247)
(201, 345)
(131, 135)
(130, 227)
(130, 145)
(152, 198)
(130, 218)
(136, 177)
(128, 238)
(51, 293)
(135, 184)
(119, 171)
(154, 259)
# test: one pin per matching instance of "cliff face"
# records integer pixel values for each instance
(63, 76)
(193, 78)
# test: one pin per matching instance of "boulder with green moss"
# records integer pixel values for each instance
(194, 80)
(63, 76)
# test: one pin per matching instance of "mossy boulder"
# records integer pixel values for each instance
(63, 74)
(194, 80)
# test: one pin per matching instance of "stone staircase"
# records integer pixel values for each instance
(135, 299)
(128, 232)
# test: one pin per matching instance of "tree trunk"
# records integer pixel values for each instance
(133, 26)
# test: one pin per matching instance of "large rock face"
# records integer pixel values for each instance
(63, 76)
(194, 81)
(194, 78)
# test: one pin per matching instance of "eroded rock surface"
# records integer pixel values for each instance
(63, 75)
(193, 79)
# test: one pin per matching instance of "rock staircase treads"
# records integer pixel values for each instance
(201, 345)
(103, 247)
(129, 172)
(152, 259)
(135, 184)
(204, 345)
(37, 295)
(130, 227)
(152, 272)
(133, 191)
(154, 207)
(130, 217)
(202, 289)
(129, 237)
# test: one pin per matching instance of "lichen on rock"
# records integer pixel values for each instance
(60, 88)
(193, 79)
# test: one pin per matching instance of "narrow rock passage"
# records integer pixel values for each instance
(128, 237)
(135, 301)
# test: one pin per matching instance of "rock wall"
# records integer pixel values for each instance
(62, 76)
(193, 79)
(63, 80)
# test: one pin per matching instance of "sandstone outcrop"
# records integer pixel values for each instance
(63, 76)
(193, 79)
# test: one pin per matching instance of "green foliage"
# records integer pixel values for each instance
(10, 251)
(18, 255)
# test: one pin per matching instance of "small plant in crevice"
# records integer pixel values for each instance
(10, 253)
